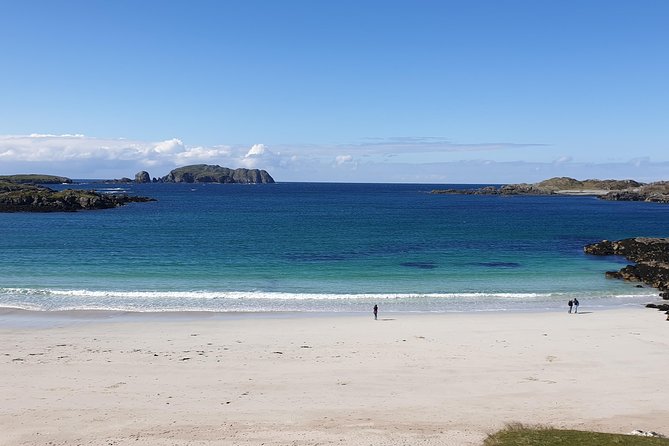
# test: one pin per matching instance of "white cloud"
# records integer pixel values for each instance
(257, 150)
(170, 146)
(259, 156)
(46, 135)
(82, 157)
(201, 154)
(378, 160)
(343, 159)
(433, 144)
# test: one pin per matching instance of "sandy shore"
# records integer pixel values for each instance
(406, 379)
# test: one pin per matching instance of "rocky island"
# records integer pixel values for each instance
(615, 190)
(201, 173)
(19, 197)
(205, 173)
(651, 257)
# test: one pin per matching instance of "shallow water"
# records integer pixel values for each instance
(321, 247)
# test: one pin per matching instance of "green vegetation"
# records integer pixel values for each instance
(566, 183)
(32, 178)
(519, 435)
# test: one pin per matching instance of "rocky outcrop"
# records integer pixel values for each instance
(651, 257)
(615, 190)
(204, 173)
(33, 198)
(506, 189)
(142, 177)
(657, 192)
(124, 180)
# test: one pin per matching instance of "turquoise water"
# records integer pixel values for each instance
(320, 247)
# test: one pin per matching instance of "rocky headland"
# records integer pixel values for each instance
(615, 190)
(18, 197)
(651, 262)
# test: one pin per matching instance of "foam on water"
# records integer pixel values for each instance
(42, 299)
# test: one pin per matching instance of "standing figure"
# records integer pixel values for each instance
(575, 305)
(376, 311)
(571, 303)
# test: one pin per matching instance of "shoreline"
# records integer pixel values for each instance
(419, 379)
(17, 317)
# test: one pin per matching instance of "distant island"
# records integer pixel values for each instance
(206, 173)
(35, 179)
(615, 190)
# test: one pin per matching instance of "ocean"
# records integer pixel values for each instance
(320, 247)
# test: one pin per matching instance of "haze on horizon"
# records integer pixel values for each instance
(350, 91)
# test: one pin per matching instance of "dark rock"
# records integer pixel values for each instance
(636, 196)
(204, 173)
(657, 192)
(661, 307)
(124, 180)
(142, 177)
(613, 275)
(639, 249)
(650, 255)
(624, 195)
(33, 198)
(487, 190)
(524, 189)
(603, 248)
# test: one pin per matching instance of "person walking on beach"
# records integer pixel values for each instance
(571, 303)
(575, 305)
(376, 311)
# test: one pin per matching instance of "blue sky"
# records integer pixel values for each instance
(390, 91)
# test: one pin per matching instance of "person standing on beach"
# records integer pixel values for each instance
(571, 303)
(575, 305)
(376, 311)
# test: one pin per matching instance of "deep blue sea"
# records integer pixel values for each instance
(321, 247)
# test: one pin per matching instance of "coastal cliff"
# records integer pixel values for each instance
(33, 198)
(205, 173)
(614, 190)
(651, 257)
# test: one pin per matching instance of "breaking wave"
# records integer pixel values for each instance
(48, 299)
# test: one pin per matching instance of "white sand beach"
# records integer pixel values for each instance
(414, 379)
